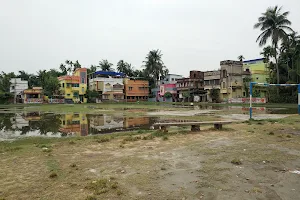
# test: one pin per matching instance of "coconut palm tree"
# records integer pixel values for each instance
(154, 65)
(63, 69)
(122, 66)
(76, 65)
(240, 58)
(274, 25)
(105, 65)
(268, 53)
(70, 66)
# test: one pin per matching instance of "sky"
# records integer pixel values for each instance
(191, 34)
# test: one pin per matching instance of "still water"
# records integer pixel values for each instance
(61, 125)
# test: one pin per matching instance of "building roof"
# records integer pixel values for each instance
(254, 60)
(72, 78)
(109, 73)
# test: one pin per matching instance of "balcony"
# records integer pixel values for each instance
(224, 90)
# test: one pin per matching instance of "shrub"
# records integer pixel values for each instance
(236, 161)
(53, 175)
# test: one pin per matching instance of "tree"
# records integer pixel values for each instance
(241, 58)
(246, 84)
(63, 69)
(154, 66)
(105, 65)
(215, 95)
(77, 65)
(121, 66)
(5, 81)
(273, 25)
(51, 85)
(92, 69)
(268, 52)
(167, 95)
(125, 68)
(23, 75)
(42, 76)
(70, 66)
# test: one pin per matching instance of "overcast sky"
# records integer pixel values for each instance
(192, 34)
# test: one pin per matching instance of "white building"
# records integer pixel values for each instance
(171, 79)
(110, 85)
(17, 86)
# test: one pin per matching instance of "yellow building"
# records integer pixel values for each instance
(259, 73)
(74, 87)
(74, 124)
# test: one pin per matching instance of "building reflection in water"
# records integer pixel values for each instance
(108, 123)
(74, 124)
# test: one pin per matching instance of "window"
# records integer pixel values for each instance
(256, 78)
(224, 73)
(64, 122)
(82, 89)
(173, 79)
(13, 87)
(68, 94)
(75, 85)
(63, 85)
(130, 88)
(223, 85)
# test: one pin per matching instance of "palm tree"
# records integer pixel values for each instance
(121, 66)
(105, 65)
(273, 25)
(63, 69)
(93, 68)
(70, 66)
(76, 65)
(154, 65)
(23, 75)
(241, 58)
(268, 52)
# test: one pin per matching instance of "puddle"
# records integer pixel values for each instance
(16, 125)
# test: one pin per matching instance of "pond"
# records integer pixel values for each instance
(16, 125)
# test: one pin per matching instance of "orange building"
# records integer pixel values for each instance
(136, 90)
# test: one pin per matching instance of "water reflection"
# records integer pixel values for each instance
(51, 125)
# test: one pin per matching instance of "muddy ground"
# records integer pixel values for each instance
(154, 165)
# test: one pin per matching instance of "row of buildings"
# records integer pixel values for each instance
(110, 86)
(229, 81)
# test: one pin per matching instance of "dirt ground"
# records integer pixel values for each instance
(250, 160)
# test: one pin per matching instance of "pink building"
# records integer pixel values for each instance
(164, 88)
